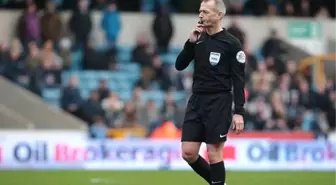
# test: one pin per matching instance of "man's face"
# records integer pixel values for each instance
(209, 14)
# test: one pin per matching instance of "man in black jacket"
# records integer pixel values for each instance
(219, 66)
(81, 24)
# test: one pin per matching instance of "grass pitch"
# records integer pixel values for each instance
(160, 178)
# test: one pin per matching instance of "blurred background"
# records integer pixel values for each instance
(83, 79)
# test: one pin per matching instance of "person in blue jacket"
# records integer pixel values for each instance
(111, 23)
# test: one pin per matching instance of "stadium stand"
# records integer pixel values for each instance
(115, 88)
(22, 109)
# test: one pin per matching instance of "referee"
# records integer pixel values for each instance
(219, 65)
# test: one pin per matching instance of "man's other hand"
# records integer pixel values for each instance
(238, 123)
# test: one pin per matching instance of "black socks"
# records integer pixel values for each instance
(217, 173)
(202, 168)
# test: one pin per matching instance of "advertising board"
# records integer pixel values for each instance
(71, 151)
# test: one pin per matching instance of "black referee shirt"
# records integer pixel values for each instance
(219, 66)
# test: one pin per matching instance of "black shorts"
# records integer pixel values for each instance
(208, 118)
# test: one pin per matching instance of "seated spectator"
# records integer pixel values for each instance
(259, 112)
(16, 69)
(71, 98)
(98, 129)
(113, 107)
(142, 53)
(48, 51)
(146, 79)
(92, 108)
(103, 90)
(4, 56)
(149, 115)
(262, 77)
(169, 109)
(65, 53)
(48, 74)
(33, 59)
(95, 60)
(167, 130)
(129, 118)
(161, 76)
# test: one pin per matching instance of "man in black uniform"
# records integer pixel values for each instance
(219, 64)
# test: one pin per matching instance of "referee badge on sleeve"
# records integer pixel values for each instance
(214, 58)
(241, 57)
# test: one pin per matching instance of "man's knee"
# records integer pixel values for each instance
(215, 153)
(190, 151)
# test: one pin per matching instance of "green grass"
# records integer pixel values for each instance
(160, 178)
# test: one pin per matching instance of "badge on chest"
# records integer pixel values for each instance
(214, 58)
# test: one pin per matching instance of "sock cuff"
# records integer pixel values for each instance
(199, 158)
(217, 164)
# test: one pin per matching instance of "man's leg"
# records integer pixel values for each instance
(215, 155)
(193, 134)
(218, 124)
(190, 154)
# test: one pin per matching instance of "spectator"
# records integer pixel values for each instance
(4, 56)
(111, 24)
(259, 113)
(103, 90)
(95, 60)
(92, 108)
(28, 27)
(80, 24)
(113, 107)
(65, 53)
(146, 79)
(322, 13)
(98, 130)
(236, 31)
(161, 76)
(142, 53)
(288, 9)
(71, 98)
(235, 7)
(169, 109)
(272, 45)
(48, 74)
(33, 59)
(50, 53)
(51, 24)
(16, 69)
(149, 115)
(305, 8)
(129, 118)
(256, 7)
(163, 29)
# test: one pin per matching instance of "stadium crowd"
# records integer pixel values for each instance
(280, 98)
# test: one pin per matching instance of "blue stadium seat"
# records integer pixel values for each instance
(175, 51)
(85, 93)
(169, 58)
(125, 95)
(77, 57)
(51, 94)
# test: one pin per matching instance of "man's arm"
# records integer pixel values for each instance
(185, 57)
(238, 77)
